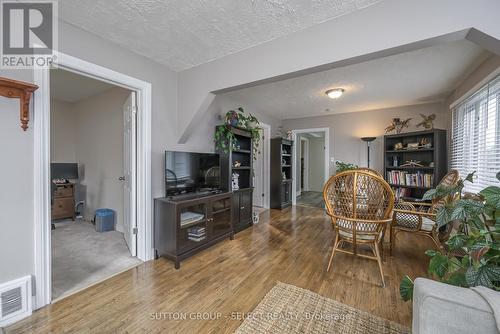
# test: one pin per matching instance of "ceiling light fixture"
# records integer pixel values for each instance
(335, 93)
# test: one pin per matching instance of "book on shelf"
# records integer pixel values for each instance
(189, 217)
(401, 193)
(196, 232)
(196, 235)
(197, 239)
(404, 178)
(196, 229)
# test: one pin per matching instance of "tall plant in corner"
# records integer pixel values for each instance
(472, 255)
(224, 138)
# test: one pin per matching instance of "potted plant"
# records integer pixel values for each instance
(224, 137)
(472, 255)
(341, 166)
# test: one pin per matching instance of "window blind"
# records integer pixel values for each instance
(476, 136)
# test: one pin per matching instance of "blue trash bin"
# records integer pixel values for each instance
(104, 220)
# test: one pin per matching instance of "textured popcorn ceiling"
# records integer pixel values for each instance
(184, 33)
(422, 76)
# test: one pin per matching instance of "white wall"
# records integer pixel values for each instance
(202, 139)
(347, 129)
(16, 193)
(94, 127)
(476, 77)
(99, 145)
(62, 131)
(16, 147)
(385, 28)
(389, 24)
(316, 159)
(316, 163)
(89, 47)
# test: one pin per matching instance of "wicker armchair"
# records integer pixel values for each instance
(366, 169)
(360, 205)
(420, 218)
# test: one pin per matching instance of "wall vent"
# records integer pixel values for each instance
(15, 300)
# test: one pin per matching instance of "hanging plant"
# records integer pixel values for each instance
(224, 137)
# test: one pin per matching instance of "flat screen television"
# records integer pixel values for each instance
(67, 171)
(189, 172)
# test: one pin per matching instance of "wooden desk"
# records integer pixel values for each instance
(63, 206)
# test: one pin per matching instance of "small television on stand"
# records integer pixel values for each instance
(63, 172)
(191, 173)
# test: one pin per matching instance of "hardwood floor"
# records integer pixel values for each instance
(291, 246)
(311, 198)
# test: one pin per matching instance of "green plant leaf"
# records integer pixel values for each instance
(466, 208)
(439, 265)
(498, 176)
(478, 253)
(465, 261)
(406, 288)
(431, 252)
(457, 279)
(457, 241)
(459, 212)
(443, 215)
(454, 265)
(470, 177)
(491, 195)
(429, 194)
(485, 275)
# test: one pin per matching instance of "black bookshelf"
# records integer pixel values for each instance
(242, 202)
(281, 173)
(411, 182)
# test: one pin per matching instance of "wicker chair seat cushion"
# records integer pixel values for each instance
(427, 224)
(364, 231)
(359, 235)
(411, 221)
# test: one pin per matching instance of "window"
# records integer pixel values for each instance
(476, 136)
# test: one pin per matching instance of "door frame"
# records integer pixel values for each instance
(265, 153)
(41, 126)
(295, 160)
(266, 161)
(304, 153)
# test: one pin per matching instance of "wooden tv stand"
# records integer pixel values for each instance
(175, 221)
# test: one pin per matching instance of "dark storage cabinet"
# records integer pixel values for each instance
(286, 192)
(183, 227)
(239, 160)
(242, 209)
(281, 173)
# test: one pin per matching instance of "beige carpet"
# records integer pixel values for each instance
(290, 309)
(82, 257)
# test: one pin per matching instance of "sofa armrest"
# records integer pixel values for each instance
(446, 309)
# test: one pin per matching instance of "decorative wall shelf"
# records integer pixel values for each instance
(21, 90)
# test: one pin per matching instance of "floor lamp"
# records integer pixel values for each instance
(368, 140)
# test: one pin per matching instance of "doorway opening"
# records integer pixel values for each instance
(261, 182)
(143, 224)
(310, 165)
(92, 182)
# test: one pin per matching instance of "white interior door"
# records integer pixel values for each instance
(258, 179)
(129, 174)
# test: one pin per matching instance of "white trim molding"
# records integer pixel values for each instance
(267, 164)
(42, 242)
(295, 132)
(304, 154)
(475, 88)
(41, 125)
